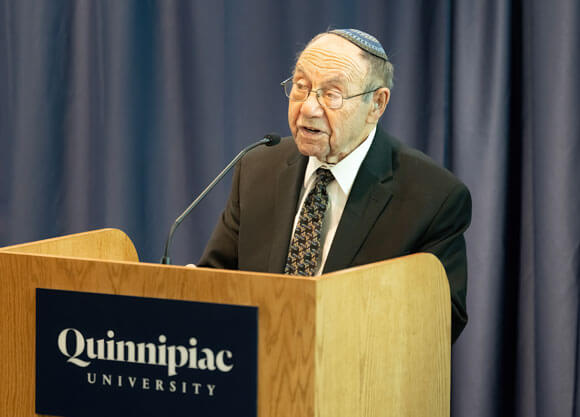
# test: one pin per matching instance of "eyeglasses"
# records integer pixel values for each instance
(331, 99)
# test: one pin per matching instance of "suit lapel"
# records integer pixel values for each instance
(288, 186)
(370, 194)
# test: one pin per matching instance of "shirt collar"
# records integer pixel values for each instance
(346, 170)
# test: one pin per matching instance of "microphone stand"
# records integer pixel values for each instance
(269, 140)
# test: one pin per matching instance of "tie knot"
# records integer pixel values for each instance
(324, 176)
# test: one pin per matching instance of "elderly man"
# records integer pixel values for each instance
(341, 192)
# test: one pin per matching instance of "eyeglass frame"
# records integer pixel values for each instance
(319, 93)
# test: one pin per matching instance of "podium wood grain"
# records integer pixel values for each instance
(368, 341)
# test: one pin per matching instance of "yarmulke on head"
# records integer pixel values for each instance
(363, 40)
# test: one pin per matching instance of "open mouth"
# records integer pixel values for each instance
(311, 130)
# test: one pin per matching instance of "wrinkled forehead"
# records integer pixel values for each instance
(332, 56)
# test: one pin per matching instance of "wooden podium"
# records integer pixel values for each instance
(367, 341)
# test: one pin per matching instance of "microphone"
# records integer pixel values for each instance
(270, 139)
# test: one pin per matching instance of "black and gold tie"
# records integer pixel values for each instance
(305, 248)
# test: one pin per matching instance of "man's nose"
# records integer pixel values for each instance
(312, 107)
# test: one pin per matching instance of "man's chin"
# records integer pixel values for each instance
(312, 149)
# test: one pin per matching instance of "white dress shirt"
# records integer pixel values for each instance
(338, 191)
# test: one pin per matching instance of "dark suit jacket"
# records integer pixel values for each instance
(401, 202)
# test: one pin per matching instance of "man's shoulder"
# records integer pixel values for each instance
(414, 171)
(264, 157)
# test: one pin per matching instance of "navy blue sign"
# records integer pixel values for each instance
(125, 356)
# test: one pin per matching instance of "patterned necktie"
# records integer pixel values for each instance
(305, 248)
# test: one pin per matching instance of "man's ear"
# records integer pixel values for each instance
(380, 100)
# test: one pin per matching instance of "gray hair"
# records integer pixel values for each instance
(379, 70)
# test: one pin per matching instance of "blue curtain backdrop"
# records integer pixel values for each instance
(117, 113)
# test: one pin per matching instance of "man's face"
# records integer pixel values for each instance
(330, 135)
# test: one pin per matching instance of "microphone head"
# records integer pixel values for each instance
(274, 139)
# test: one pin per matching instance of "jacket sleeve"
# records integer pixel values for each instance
(444, 238)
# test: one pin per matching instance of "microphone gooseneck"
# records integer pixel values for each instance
(270, 139)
